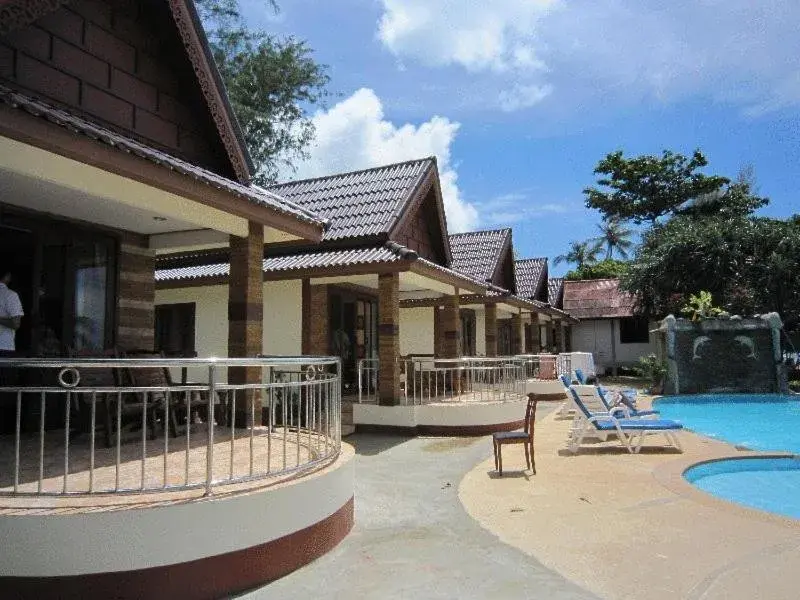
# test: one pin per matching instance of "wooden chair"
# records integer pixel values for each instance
(524, 437)
(157, 377)
(97, 377)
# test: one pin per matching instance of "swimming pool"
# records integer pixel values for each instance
(758, 422)
(771, 484)
(767, 422)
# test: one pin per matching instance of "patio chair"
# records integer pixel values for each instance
(97, 377)
(524, 437)
(566, 406)
(161, 401)
(625, 410)
(592, 419)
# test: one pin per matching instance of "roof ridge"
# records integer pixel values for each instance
(499, 230)
(355, 172)
(600, 279)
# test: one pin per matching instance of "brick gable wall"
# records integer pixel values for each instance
(108, 61)
(421, 233)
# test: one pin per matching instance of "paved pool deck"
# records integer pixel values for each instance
(629, 527)
(413, 538)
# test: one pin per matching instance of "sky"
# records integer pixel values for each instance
(520, 99)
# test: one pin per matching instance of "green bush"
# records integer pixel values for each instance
(652, 369)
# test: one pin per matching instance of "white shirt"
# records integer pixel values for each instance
(10, 307)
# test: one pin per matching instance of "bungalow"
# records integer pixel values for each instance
(608, 327)
(117, 142)
(366, 293)
(549, 334)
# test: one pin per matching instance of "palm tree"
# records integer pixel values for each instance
(580, 253)
(615, 236)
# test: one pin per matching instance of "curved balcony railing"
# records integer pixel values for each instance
(111, 425)
(483, 379)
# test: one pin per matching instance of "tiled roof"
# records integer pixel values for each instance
(82, 126)
(477, 253)
(596, 299)
(362, 203)
(530, 276)
(198, 265)
(555, 291)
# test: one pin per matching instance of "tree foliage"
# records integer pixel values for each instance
(644, 188)
(271, 82)
(580, 254)
(608, 268)
(615, 236)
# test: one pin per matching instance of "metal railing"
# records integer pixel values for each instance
(544, 366)
(428, 379)
(161, 436)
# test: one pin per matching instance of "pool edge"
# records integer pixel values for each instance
(670, 475)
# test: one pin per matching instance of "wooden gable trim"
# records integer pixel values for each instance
(503, 256)
(16, 14)
(194, 40)
(430, 178)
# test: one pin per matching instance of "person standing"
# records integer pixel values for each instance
(10, 317)
(11, 313)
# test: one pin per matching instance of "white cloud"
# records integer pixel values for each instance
(354, 134)
(475, 34)
(514, 207)
(523, 96)
(736, 51)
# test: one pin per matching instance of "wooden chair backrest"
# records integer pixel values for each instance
(148, 376)
(530, 415)
(97, 376)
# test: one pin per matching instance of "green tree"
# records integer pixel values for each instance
(609, 268)
(644, 188)
(271, 82)
(615, 236)
(579, 254)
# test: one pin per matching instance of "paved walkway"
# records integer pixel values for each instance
(413, 538)
(629, 526)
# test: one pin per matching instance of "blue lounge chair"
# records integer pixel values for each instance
(623, 410)
(630, 392)
(592, 421)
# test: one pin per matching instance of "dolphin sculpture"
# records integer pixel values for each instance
(699, 341)
(747, 343)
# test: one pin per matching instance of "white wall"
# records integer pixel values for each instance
(283, 321)
(283, 317)
(594, 335)
(210, 320)
(416, 331)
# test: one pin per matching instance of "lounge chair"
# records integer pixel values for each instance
(622, 410)
(583, 380)
(592, 419)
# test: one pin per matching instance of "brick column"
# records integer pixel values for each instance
(388, 338)
(517, 334)
(136, 291)
(451, 326)
(316, 320)
(490, 319)
(558, 337)
(535, 334)
(246, 313)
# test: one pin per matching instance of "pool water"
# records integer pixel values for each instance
(758, 422)
(771, 484)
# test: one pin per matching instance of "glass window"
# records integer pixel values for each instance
(634, 330)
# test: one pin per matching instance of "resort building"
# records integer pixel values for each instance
(385, 282)
(608, 327)
(118, 143)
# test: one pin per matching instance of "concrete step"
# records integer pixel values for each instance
(348, 429)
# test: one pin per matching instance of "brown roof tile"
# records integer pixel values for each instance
(477, 253)
(359, 204)
(597, 299)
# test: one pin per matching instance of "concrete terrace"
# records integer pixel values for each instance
(413, 538)
(629, 527)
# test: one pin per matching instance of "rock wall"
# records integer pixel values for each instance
(722, 355)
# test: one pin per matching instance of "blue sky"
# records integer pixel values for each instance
(519, 99)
